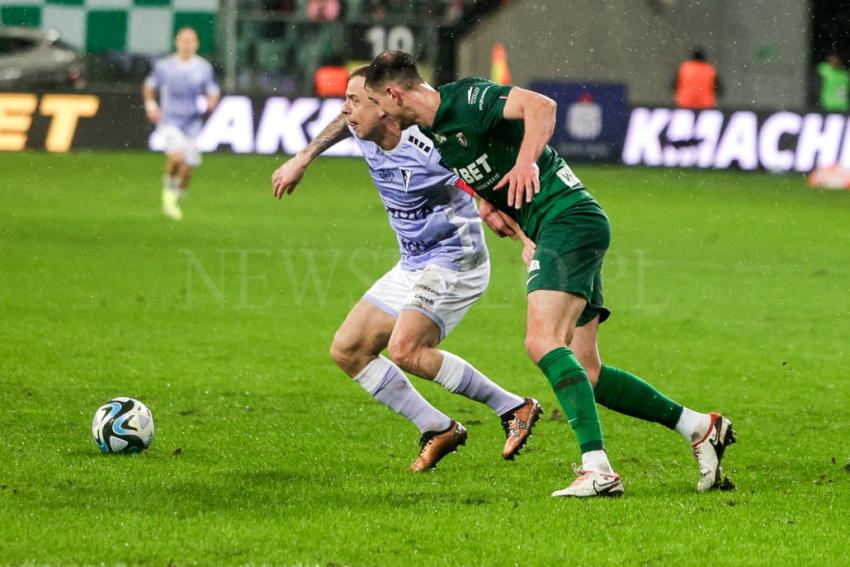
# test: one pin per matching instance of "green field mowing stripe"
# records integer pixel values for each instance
(729, 292)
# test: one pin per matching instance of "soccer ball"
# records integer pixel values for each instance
(122, 425)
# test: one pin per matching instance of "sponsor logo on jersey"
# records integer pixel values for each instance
(483, 94)
(405, 177)
(569, 178)
(475, 171)
(462, 140)
(415, 247)
(440, 138)
(415, 214)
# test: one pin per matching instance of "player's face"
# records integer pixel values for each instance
(186, 43)
(363, 114)
(389, 99)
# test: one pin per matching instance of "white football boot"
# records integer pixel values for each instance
(169, 204)
(708, 452)
(592, 483)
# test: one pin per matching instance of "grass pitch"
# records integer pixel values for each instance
(729, 292)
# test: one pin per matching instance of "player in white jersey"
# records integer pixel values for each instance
(444, 268)
(182, 80)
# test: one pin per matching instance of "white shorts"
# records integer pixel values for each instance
(441, 294)
(178, 141)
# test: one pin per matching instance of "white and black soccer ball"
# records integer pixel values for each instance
(122, 425)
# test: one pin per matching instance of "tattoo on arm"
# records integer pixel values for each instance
(334, 132)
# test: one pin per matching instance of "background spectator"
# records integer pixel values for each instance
(323, 10)
(834, 82)
(331, 78)
(696, 84)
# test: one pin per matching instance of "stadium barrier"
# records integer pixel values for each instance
(711, 139)
(747, 140)
(110, 121)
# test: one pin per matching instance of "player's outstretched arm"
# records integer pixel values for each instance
(151, 107)
(289, 175)
(496, 220)
(538, 114)
(503, 225)
(212, 101)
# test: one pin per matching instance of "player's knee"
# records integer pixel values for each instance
(537, 345)
(345, 351)
(404, 352)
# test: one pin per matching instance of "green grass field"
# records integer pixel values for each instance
(729, 291)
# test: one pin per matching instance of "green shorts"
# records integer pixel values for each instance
(570, 250)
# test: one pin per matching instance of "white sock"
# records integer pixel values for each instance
(458, 376)
(387, 383)
(169, 182)
(181, 194)
(596, 461)
(692, 425)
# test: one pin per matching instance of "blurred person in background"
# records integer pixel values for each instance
(331, 79)
(834, 82)
(323, 11)
(378, 10)
(696, 84)
(180, 80)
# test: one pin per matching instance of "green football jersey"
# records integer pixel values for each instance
(480, 146)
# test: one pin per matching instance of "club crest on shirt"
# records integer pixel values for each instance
(405, 177)
(461, 139)
(386, 174)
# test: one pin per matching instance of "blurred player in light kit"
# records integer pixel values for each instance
(181, 80)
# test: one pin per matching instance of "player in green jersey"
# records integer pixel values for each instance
(495, 138)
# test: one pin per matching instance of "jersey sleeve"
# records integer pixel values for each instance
(211, 87)
(485, 100)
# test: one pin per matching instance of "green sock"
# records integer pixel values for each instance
(569, 380)
(626, 393)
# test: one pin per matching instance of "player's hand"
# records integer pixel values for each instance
(287, 177)
(153, 115)
(523, 182)
(492, 218)
(528, 250)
